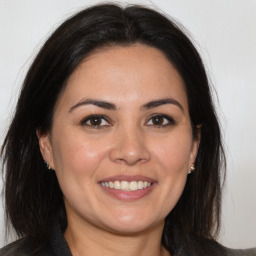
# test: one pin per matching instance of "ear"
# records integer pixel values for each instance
(195, 145)
(45, 147)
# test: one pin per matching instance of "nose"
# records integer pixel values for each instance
(130, 148)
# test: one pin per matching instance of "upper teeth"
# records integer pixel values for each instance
(126, 185)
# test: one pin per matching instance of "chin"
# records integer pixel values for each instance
(131, 225)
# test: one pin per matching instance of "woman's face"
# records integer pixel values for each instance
(121, 142)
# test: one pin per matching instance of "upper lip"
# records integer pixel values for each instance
(128, 178)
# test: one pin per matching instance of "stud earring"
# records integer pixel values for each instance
(191, 169)
(47, 165)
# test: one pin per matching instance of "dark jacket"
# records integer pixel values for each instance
(57, 246)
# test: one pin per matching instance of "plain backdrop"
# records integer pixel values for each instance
(224, 32)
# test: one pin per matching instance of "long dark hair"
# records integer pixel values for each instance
(33, 197)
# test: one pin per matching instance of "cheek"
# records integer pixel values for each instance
(77, 160)
(174, 161)
(76, 155)
(174, 153)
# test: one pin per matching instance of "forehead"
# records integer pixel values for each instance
(122, 74)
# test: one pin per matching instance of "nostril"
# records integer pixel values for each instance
(129, 157)
(129, 146)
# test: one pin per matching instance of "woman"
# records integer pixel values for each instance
(115, 146)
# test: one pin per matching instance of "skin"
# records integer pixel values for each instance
(128, 141)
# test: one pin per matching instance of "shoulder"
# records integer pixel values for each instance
(17, 248)
(54, 245)
(23, 247)
(245, 252)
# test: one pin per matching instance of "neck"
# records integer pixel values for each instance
(84, 240)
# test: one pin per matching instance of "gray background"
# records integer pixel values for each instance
(224, 32)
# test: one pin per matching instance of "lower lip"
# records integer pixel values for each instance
(128, 195)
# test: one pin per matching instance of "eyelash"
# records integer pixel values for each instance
(167, 121)
(91, 117)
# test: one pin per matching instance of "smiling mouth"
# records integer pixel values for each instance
(126, 185)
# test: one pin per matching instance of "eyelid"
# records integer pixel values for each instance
(170, 120)
(90, 117)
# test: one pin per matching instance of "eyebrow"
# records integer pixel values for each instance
(98, 103)
(111, 106)
(157, 103)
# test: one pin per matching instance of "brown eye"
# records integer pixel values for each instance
(161, 121)
(158, 120)
(95, 121)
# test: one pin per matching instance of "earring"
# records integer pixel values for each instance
(47, 165)
(191, 169)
